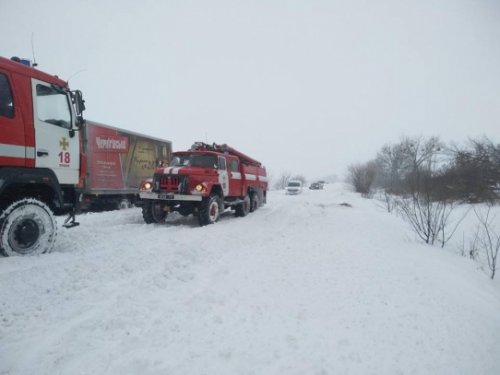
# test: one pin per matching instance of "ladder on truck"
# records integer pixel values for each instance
(225, 149)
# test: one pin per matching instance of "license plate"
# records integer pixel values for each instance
(166, 196)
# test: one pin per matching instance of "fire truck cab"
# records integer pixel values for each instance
(39, 156)
(204, 181)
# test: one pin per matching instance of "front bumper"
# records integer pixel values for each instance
(170, 196)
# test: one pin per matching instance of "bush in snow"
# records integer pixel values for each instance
(361, 176)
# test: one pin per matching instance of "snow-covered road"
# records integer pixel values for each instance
(302, 286)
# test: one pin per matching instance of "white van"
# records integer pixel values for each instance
(294, 187)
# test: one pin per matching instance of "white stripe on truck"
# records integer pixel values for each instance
(13, 151)
(171, 170)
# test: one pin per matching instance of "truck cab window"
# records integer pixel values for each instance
(53, 106)
(205, 161)
(6, 102)
(222, 163)
(234, 165)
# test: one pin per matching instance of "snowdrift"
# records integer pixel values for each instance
(304, 285)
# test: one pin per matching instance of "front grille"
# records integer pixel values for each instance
(171, 183)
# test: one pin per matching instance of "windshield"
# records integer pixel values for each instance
(194, 160)
(294, 184)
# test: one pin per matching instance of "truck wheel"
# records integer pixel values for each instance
(210, 210)
(153, 212)
(185, 211)
(27, 227)
(254, 202)
(243, 208)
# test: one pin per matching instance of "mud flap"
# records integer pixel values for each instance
(70, 221)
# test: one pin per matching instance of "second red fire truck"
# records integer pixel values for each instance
(204, 181)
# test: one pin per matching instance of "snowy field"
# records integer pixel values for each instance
(302, 286)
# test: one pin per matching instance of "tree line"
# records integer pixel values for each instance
(469, 173)
(424, 179)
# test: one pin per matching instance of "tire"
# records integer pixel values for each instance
(153, 212)
(254, 202)
(185, 211)
(27, 227)
(243, 209)
(210, 210)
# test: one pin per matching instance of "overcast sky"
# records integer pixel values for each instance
(307, 87)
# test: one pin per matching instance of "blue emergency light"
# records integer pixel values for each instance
(26, 62)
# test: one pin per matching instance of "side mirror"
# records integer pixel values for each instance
(79, 107)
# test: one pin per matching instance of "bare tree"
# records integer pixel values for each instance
(387, 199)
(391, 162)
(472, 249)
(445, 220)
(421, 162)
(427, 218)
(489, 239)
(399, 166)
(361, 176)
(422, 203)
(282, 181)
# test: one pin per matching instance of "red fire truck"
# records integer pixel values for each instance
(40, 157)
(204, 181)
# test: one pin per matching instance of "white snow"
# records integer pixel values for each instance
(304, 285)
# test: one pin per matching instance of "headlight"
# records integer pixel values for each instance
(200, 189)
(148, 185)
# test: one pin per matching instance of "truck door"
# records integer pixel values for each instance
(13, 150)
(223, 179)
(235, 180)
(53, 119)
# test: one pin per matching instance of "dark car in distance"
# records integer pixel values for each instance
(316, 185)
